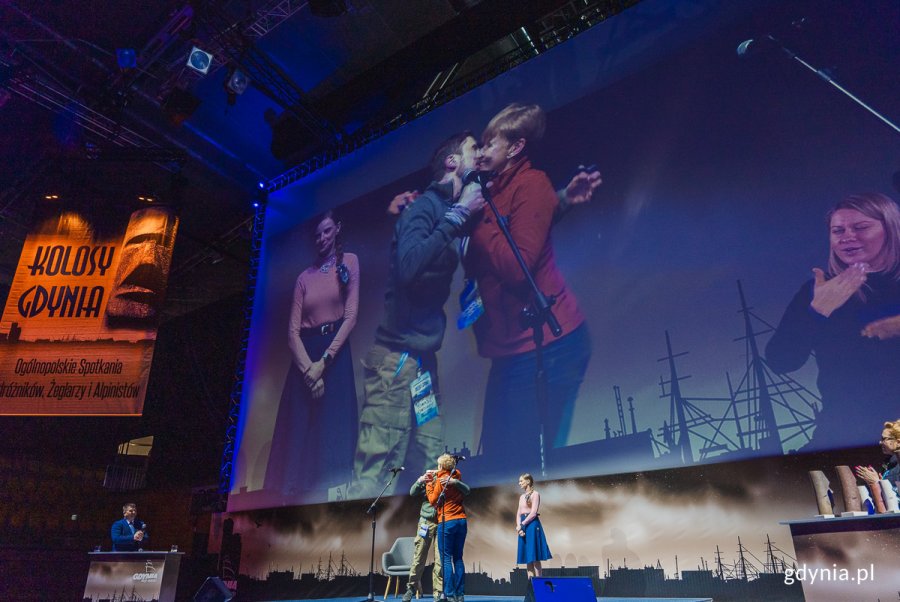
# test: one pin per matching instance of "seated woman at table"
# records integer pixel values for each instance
(890, 446)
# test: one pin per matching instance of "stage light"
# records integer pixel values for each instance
(261, 184)
(328, 8)
(146, 199)
(255, 204)
(237, 82)
(51, 197)
(126, 57)
(199, 60)
(179, 105)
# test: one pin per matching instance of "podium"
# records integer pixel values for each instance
(847, 558)
(133, 575)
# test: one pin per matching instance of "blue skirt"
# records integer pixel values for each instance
(533, 546)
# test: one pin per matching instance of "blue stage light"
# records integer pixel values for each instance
(126, 57)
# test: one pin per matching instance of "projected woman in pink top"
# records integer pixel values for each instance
(315, 430)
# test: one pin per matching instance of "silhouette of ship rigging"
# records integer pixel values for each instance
(764, 414)
(747, 577)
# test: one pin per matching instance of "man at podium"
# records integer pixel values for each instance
(129, 533)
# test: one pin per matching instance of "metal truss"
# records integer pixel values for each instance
(264, 73)
(272, 15)
(237, 388)
(567, 21)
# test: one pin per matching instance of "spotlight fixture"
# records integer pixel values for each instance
(146, 199)
(199, 60)
(328, 8)
(51, 197)
(261, 184)
(237, 82)
(179, 105)
(126, 57)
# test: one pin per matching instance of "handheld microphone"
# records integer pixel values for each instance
(752, 46)
(744, 47)
(471, 175)
(397, 469)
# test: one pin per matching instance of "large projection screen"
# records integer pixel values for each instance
(718, 171)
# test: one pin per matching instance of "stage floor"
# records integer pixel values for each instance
(498, 599)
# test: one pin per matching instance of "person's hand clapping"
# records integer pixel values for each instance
(829, 295)
(867, 474)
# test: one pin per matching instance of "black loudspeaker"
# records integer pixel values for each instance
(561, 589)
(213, 590)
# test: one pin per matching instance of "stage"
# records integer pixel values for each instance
(494, 599)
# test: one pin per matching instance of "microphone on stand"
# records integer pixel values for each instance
(753, 45)
(397, 469)
(458, 457)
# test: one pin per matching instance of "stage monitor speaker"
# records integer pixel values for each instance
(213, 590)
(561, 589)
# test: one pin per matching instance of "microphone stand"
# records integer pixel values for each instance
(373, 512)
(533, 316)
(822, 74)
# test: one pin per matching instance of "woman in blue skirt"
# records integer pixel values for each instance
(532, 543)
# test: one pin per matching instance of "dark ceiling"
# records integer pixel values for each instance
(323, 74)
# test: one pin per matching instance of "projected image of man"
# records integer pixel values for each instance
(401, 421)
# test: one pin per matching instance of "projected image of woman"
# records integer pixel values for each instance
(533, 548)
(315, 431)
(520, 427)
(849, 317)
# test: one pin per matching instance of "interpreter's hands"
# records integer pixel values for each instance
(867, 474)
(471, 198)
(885, 328)
(318, 389)
(314, 373)
(581, 187)
(829, 295)
(402, 201)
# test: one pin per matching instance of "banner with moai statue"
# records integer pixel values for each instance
(79, 325)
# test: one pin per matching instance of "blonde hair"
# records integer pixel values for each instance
(894, 428)
(446, 462)
(517, 121)
(529, 478)
(879, 207)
